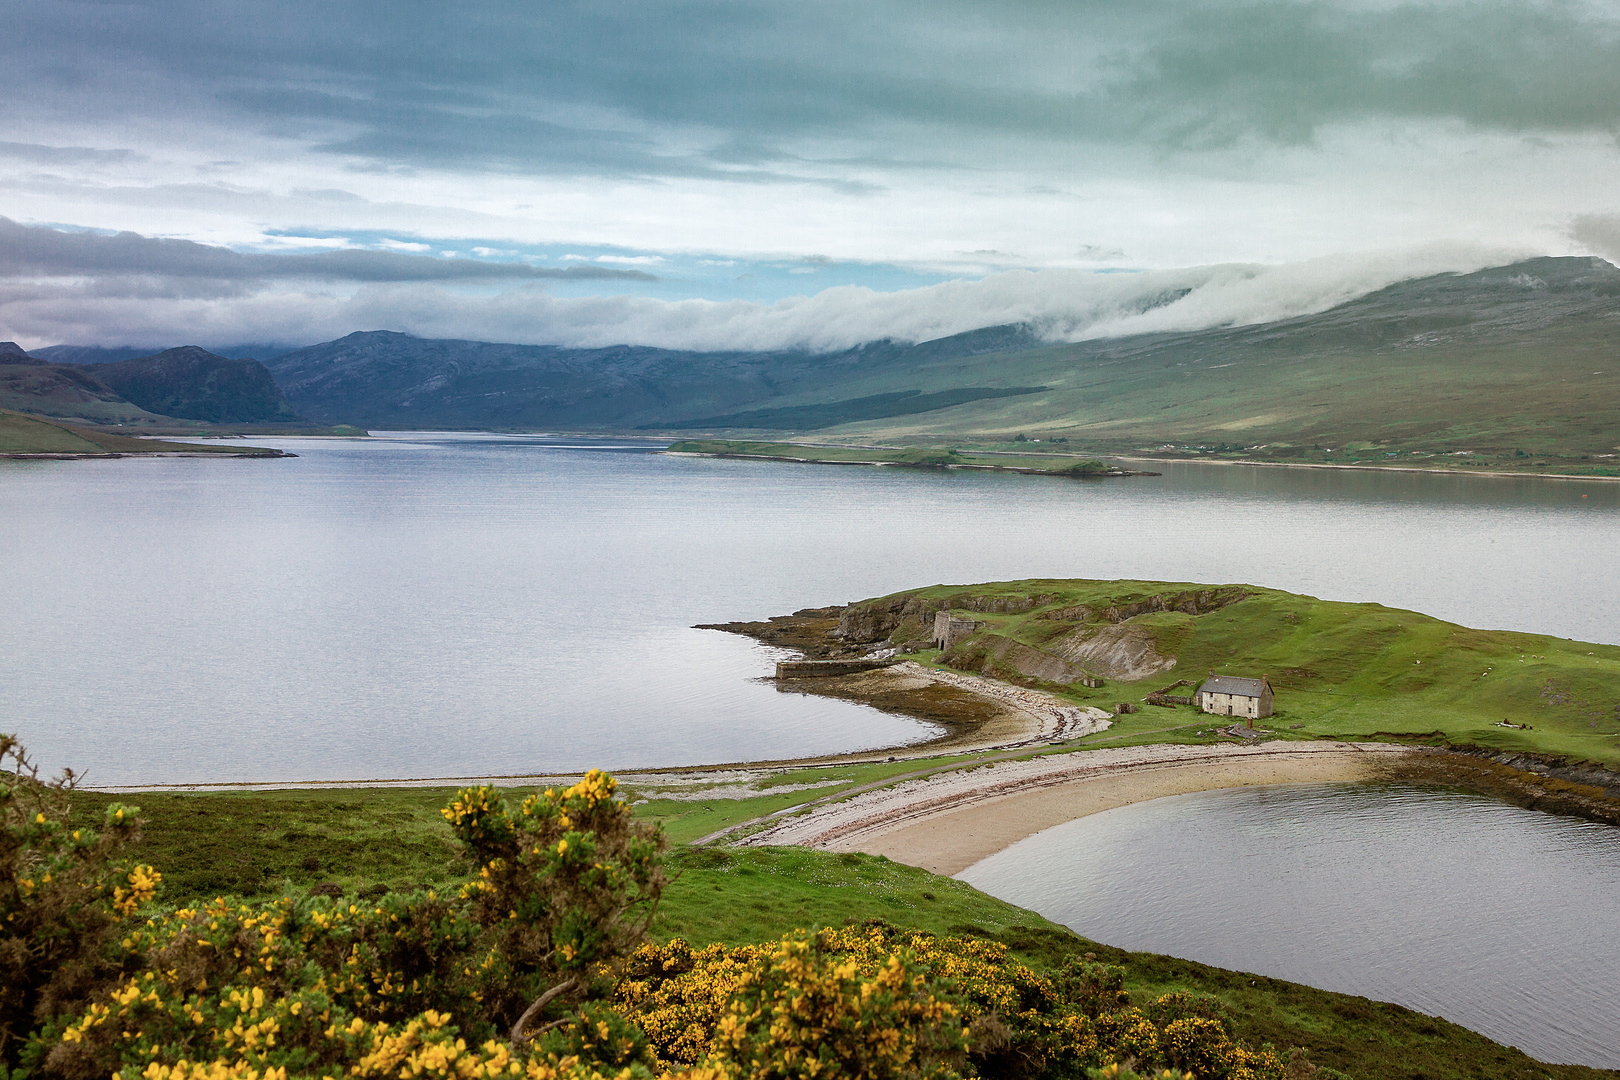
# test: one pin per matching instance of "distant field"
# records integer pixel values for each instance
(913, 456)
(1552, 408)
(21, 434)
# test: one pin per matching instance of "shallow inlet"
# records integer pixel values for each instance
(1497, 918)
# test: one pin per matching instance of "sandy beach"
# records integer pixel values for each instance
(947, 822)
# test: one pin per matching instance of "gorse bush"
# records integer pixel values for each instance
(63, 892)
(885, 1002)
(531, 969)
(562, 888)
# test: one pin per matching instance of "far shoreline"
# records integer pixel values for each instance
(1494, 473)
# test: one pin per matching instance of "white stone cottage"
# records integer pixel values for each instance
(1228, 695)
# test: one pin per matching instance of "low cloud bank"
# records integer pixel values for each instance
(1599, 233)
(1061, 305)
(40, 251)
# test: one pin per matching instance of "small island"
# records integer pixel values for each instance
(908, 457)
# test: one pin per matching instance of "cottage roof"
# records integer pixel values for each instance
(1231, 684)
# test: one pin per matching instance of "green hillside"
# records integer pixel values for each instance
(1514, 366)
(194, 384)
(60, 390)
(1339, 670)
(913, 457)
(23, 434)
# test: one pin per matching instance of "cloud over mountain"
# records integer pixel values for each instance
(1058, 304)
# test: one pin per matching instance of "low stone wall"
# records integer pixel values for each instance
(817, 669)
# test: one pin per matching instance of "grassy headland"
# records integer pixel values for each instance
(1339, 670)
(916, 457)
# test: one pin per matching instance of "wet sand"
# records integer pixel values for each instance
(947, 822)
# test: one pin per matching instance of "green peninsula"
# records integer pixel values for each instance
(1339, 670)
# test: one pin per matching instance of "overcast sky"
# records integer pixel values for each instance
(683, 173)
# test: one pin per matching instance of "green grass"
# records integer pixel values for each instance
(254, 844)
(741, 895)
(21, 434)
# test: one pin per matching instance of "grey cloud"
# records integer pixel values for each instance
(1599, 233)
(1061, 304)
(66, 155)
(38, 251)
(1280, 71)
(734, 90)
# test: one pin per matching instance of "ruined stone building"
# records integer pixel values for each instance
(949, 629)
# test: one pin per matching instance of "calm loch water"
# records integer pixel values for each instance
(1494, 917)
(446, 605)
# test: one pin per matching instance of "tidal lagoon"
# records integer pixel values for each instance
(1497, 918)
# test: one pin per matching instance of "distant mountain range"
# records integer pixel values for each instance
(187, 383)
(389, 380)
(1526, 356)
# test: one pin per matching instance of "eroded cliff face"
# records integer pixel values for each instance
(1124, 650)
(989, 651)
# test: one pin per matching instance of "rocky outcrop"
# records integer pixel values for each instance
(1587, 773)
(822, 669)
(877, 620)
(1196, 602)
(1122, 651)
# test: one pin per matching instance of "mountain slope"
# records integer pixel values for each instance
(89, 354)
(195, 384)
(1524, 357)
(61, 390)
(383, 379)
